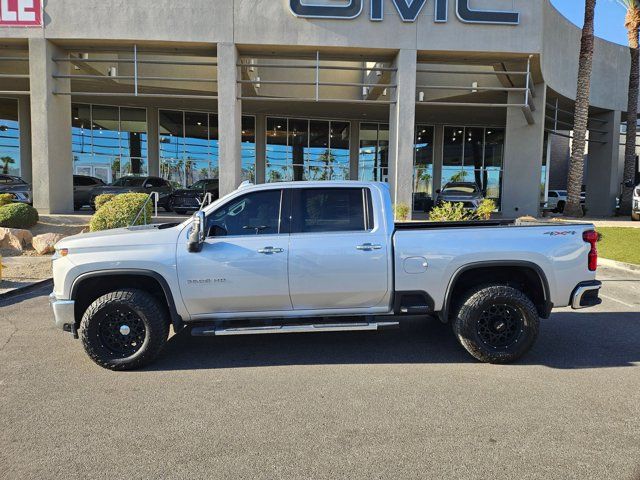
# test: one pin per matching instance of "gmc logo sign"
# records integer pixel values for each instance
(407, 9)
(20, 13)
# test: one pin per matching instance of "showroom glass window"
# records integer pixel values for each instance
(303, 149)
(373, 164)
(189, 146)
(109, 142)
(423, 168)
(474, 154)
(9, 137)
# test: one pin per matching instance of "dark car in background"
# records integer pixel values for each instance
(133, 184)
(16, 186)
(190, 199)
(83, 186)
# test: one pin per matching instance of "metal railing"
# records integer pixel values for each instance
(558, 126)
(528, 90)
(136, 77)
(206, 200)
(155, 196)
(15, 76)
(318, 68)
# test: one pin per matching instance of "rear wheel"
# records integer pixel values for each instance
(496, 323)
(124, 329)
(560, 207)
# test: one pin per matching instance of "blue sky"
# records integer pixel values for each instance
(609, 17)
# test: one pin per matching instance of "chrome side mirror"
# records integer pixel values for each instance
(197, 234)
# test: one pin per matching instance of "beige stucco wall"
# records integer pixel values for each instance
(542, 31)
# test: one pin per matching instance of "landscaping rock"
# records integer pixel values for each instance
(45, 243)
(15, 239)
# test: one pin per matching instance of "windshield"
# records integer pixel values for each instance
(460, 188)
(128, 182)
(204, 185)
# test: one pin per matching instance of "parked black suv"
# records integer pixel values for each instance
(189, 199)
(83, 186)
(137, 185)
(20, 189)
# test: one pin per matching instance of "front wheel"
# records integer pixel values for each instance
(496, 324)
(124, 329)
(635, 217)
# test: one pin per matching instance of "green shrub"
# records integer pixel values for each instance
(18, 215)
(485, 209)
(121, 211)
(401, 212)
(450, 212)
(102, 199)
(6, 199)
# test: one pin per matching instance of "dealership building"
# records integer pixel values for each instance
(416, 94)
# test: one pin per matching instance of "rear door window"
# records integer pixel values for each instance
(331, 210)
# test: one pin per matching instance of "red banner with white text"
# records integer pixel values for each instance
(20, 13)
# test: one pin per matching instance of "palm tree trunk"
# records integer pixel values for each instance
(581, 115)
(628, 183)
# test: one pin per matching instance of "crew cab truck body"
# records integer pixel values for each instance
(301, 257)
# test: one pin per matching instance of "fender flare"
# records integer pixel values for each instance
(444, 313)
(176, 319)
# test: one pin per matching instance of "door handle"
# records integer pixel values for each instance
(270, 250)
(367, 247)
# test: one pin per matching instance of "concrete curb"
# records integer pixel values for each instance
(605, 262)
(24, 290)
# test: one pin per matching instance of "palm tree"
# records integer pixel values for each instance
(581, 114)
(6, 161)
(460, 176)
(632, 24)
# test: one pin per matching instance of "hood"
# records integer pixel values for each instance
(156, 234)
(15, 188)
(460, 197)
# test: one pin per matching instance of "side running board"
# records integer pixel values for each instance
(321, 327)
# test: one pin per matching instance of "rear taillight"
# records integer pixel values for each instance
(591, 237)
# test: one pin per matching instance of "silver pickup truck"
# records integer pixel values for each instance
(309, 257)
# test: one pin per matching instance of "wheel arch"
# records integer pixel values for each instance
(535, 281)
(102, 281)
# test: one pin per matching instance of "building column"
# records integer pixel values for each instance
(602, 176)
(24, 122)
(354, 150)
(402, 115)
(52, 165)
(523, 153)
(229, 118)
(153, 141)
(261, 147)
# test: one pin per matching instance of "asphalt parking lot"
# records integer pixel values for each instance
(406, 403)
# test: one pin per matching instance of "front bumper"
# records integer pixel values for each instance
(586, 295)
(63, 313)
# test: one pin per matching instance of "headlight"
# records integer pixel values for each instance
(60, 252)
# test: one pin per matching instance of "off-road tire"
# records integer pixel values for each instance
(479, 302)
(135, 303)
